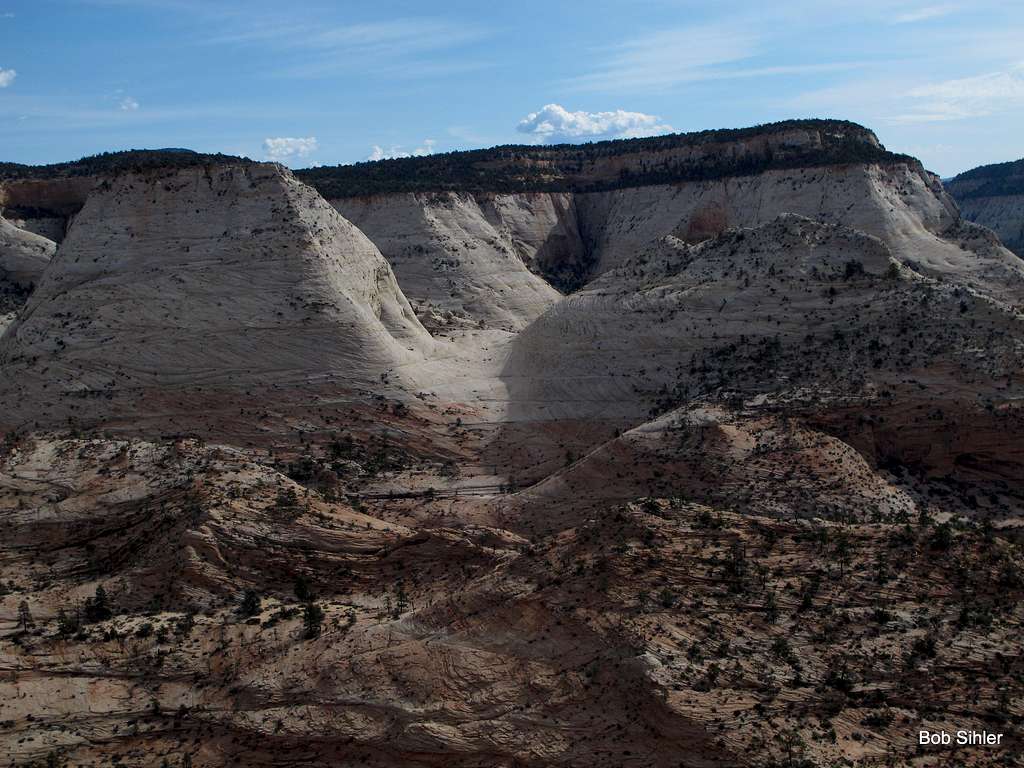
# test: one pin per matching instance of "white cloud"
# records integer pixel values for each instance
(7, 77)
(554, 124)
(283, 149)
(128, 104)
(924, 14)
(965, 97)
(379, 153)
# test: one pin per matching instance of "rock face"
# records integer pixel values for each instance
(688, 319)
(993, 196)
(463, 231)
(244, 620)
(821, 318)
(44, 206)
(225, 277)
(44, 199)
(903, 206)
(459, 250)
(23, 257)
(1004, 215)
(714, 459)
(472, 256)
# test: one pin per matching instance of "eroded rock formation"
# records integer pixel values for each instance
(222, 278)
(688, 451)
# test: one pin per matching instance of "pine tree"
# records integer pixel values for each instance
(303, 590)
(401, 601)
(250, 603)
(66, 625)
(97, 608)
(312, 619)
(25, 620)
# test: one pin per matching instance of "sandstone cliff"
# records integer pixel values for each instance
(792, 281)
(44, 206)
(444, 244)
(23, 257)
(822, 318)
(225, 277)
(472, 255)
(44, 198)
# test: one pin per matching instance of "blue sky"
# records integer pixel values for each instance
(329, 82)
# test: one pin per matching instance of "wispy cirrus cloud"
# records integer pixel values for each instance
(407, 47)
(925, 13)
(411, 34)
(128, 104)
(669, 58)
(7, 77)
(965, 97)
(321, 41)
(666, 58)
(553, 123)
(904, 100)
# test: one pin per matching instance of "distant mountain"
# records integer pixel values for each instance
(993, 195)
(996, 180)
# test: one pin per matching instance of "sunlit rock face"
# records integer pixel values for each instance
(224, 277)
